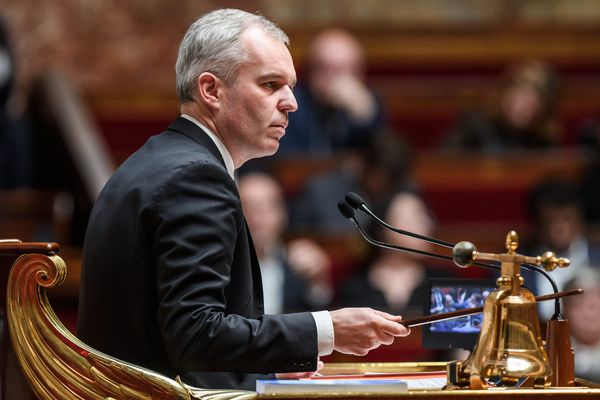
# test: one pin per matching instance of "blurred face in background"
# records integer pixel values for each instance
(264, 208)
(559, 226)
(408, 212)
(521, 105)
(333, 56)
(582, 312)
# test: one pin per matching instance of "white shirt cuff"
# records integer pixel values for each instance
(325, 337)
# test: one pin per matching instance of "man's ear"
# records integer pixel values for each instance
(208, 89)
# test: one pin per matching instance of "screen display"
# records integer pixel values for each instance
(447, 295)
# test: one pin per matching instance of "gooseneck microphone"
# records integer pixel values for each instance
(462, 252)
(356, 202)
(557, 314)
(348, 212)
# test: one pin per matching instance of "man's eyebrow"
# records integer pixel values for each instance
(278, 76)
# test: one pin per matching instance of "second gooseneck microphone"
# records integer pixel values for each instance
(353, 202)
(356, 202)
(350, 213)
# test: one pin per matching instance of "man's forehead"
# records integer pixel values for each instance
(269, 54)
(259, 41)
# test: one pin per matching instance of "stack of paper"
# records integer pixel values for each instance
(343, 386)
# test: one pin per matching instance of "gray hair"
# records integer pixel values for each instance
(213, 44)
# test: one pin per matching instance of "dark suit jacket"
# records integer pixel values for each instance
(170, 278)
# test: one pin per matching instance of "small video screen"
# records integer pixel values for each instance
(448, 295)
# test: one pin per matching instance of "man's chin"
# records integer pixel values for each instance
(273, 147)
(272, 152)
(269, 150)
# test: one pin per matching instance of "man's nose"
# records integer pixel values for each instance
(288, 102)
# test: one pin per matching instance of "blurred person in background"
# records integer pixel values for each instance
(590, 182)
(392, 280)
(557, 217)
(582, 312)
(336, 109)
(295, 277)
(376, 172)
(15, 133)
(520, 116)
(588, 134)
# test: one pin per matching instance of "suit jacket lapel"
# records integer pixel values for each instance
(256, 275)
(197, 134)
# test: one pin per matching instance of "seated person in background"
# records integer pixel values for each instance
(336, 110)
(394, 280)
(589, 133)
(557, 218)
(590, 182)
(296, 277)
(375, 173)
(15, 134)
(521, 115)
(582, 312)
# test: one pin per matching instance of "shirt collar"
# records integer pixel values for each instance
(222, 149)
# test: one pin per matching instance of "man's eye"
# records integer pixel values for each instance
(270, 85)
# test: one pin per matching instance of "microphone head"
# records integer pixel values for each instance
(354, 200)
(462, 254)
(345, 209)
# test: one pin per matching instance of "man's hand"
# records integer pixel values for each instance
(359, 330)
(350, 93)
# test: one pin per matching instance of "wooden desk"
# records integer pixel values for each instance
(519, 394)
(584, 390)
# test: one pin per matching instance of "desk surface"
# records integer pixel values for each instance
(585, 389)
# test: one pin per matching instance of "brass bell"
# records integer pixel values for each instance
(509, 350)
(510, 345)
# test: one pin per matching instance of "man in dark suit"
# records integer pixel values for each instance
(170, 277)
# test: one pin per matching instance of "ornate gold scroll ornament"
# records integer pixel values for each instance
(59, 366)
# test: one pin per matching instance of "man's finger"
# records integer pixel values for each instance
(393, 328)
(388, 316)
